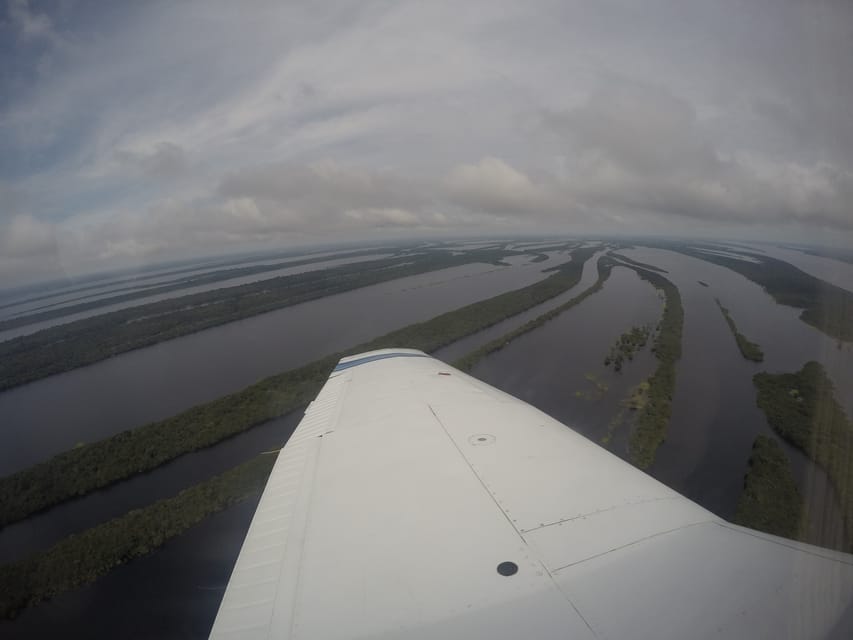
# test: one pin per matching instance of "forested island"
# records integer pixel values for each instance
(141, 531)
(653, 419)
(770, 501)
(825, 306)
(467, 362)
(801, 407)
(85, 556)
(748, 349)
(90, 340)
(99, 464)
(130, 293)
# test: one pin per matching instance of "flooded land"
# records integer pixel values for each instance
(566, 367)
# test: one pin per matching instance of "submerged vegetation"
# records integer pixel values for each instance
(626, 346)
(93, 466)
(801, 407)
(653, 418)
(748, 349)
(825, 306)
(770, 501)
(85, 556)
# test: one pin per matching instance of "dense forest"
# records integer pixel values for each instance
(801, 407)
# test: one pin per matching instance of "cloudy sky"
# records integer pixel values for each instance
(134, 132)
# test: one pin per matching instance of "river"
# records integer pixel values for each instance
(558, 368)
(715, 418)
(51, 415)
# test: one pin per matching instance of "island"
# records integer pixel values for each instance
(748, 349)
(770, 501)
(802, 409)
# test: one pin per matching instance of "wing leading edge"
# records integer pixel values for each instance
(415, 501)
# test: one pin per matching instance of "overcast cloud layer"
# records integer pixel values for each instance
(139, 132)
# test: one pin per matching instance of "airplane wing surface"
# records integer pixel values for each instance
(414, 501)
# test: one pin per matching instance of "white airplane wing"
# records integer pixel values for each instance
(414, 501)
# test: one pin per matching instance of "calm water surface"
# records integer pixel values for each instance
(51, 415)
(559, 368)
(715, 418)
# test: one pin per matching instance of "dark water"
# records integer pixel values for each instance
(49, 527)
(51, 415)
(715, 418)
(456, 350)
(833, 271)
(187, 290)
(173, 593)
(559, 366)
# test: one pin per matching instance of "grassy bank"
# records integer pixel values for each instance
(84, 557)
(825, 306)
(801, 407)
(748, 349)
(93, 466)
(770, 501)
(653, 419)
(89, 340)
(467, 362)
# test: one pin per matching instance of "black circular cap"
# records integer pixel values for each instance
(507, 568)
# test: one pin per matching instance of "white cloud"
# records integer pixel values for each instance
(189, 127)
(29, 24)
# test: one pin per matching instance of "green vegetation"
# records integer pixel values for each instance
(89, 340)
(748, 349)
(93, 466)
(770, 501)
(825, 306)
(626, 346)
(135, 293)
(467, 362)
(639, 397)
(635, 263)
(653, 419)
(801, 407)
(600, 388)
(85, 556)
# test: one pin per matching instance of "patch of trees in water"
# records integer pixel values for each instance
(802, 409)
(96, 465)
(825, 306)
(748, 349)
(89, 340)
(626, 345)
(653, 418)
(770, 500)
(85, 556)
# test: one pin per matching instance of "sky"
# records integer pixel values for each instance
(138, 132)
